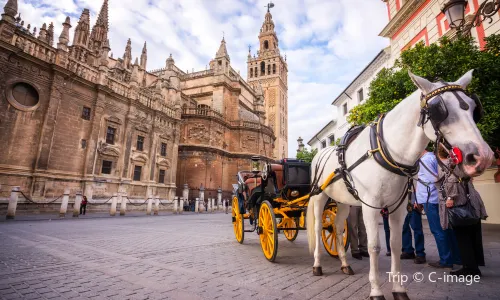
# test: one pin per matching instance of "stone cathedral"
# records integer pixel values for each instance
(72, 116)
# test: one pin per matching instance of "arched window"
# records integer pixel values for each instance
(274, 68)
(268, 69)
(262, 68)
(266, 45)
(251, 72)
(256, 73)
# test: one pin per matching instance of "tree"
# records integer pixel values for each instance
(307, 155)
(447, 60)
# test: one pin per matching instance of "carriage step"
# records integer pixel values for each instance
(260, 230)
(234, 219)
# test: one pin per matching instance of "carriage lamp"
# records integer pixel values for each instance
(454, 11)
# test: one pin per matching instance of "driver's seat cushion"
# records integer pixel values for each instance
(250, 183)
(278, 171)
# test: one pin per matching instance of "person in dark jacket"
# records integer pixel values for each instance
(457, 190)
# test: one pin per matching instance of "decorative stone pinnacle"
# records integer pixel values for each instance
(10, 9)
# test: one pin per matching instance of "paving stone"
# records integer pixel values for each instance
(196, 257)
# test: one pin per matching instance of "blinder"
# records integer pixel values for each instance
(436, 108)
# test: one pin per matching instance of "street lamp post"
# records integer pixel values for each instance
(454, 11)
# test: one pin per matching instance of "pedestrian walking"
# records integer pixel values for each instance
(458, 191)
(357, 233)
(428, 195)
(83, 205)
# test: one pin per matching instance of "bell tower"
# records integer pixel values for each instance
(270, 70)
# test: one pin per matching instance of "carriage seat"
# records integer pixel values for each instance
(278, 171)
(250, 183)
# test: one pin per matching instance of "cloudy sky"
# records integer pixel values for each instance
(327, 42)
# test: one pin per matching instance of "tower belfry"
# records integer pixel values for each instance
(270, 70)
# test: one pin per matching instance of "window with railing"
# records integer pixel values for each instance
(110, 135)
(163, 149)
(137, 173)
(161, 176)
(106, 167)
(140, 143)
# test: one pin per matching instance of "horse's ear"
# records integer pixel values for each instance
(465, 80)
(423, 84)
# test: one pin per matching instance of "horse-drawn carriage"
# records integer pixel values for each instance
(274, 199)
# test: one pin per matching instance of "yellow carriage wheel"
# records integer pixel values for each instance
(267, 231)
(238, 220)
(290, 235)
(328, 233)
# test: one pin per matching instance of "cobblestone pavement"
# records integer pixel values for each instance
(194, 257)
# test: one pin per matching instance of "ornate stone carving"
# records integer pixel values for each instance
(138, 157)
(164, 162)
(249, 142)
(198, 132)
(109, 150)
(115, 120)
(142, 128)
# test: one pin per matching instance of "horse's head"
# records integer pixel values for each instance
(449, 111)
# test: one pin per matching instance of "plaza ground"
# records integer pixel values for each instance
(194, 257)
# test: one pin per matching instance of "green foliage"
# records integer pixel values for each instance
(335, 143)
(448, 61)
(307, 155)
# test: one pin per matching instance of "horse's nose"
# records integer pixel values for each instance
(477, 160)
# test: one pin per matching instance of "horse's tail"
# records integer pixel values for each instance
(311, 232)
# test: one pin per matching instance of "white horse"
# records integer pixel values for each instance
(379, 187)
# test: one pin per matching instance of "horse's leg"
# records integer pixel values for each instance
(319, 206)
(342, 213)
(396, 220)
(371, 218)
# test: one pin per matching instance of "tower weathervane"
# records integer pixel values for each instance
(269, 5)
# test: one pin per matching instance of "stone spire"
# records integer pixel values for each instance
(100, 30)
(82, 29)
(301, 144)
(222, 52)
(50, 34)
(64, 37)
(170, 62)
(268, 25)
(104, 54)
(42, 36)
(144, 57)
(249, 52)
(134, 77)
(127, 56)
(10, 11)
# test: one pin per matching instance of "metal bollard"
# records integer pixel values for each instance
(176, 199)
(11, 209)
(112, 211)
(123, 204)
(209, 205)
(213, 205)
(76, 206)
(150, 205)
(157, 205)
(197, 205)
(64, 204)
(181, 205)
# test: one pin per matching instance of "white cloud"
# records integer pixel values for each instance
(327, 42)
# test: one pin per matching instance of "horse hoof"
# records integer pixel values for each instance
(347, 270)
(400, 296)
(317, 271)
(377, 297)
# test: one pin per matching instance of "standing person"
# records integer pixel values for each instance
(457, 190)
(357, 233)
(83, 205)
(413, 220)
(428, 195)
